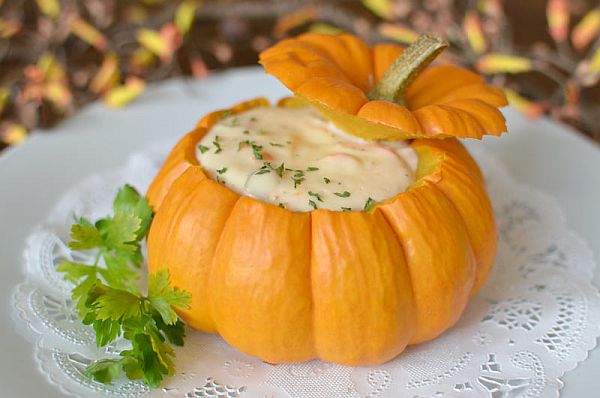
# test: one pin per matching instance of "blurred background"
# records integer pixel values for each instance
(58, 55)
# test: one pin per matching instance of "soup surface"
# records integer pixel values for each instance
(294, 158)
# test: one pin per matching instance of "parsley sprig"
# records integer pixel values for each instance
(107, 297)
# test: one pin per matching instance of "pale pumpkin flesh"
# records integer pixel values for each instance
(348, 287)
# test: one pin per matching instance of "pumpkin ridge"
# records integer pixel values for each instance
(212, 263)
(182, 156)
(405, 263)
(312, 289)
(496, 95)
(188, 201)
(478, 266)
(382, 311)
(164, 250)
(453, 167)
(458, 290)
(464, 116)
(337, 62)
(355, 48)
(289, 56)
(191, 199)
(484, 121)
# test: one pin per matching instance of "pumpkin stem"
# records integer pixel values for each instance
(396, 80)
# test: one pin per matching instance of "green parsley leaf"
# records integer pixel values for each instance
(346, 209)
(275, 144)
(121, 232)
(312, 169)
(221, 171)
(163, 296)
(203, 149)
(85, 236)
(312, 204)
(262, 171)
(174, 333)
(115, 304)
(327, 180)
(118, 273)
(129, 201)
(75, 271)
(106, 370)
(107, 298)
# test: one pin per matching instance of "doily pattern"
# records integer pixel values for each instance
(537, 316)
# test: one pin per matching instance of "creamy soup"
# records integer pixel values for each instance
(296, 159)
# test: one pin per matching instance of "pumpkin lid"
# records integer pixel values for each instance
(386, 91)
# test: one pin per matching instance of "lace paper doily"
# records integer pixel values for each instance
(536, 318)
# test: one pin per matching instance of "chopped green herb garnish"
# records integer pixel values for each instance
(297, 181)
(217, 145)
(312, 204)
(344, 194)
(256, 149)
(220, 180)
(225, 115)
(282, 205)
(275, 144)
(221, 171)
(315, 195)
(298, 173)
(279, 170)
(246, 132)
(346, 209)
(203, 148)
(312, 169)
(368, 204)
(262, 171)
(327, 180)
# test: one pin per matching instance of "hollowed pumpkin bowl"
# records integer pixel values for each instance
(353, 288)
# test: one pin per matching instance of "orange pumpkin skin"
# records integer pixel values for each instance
(353, 288)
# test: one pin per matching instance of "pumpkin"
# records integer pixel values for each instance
(382, 92)
(353, 288)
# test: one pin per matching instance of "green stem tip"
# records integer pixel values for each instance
(396, 80)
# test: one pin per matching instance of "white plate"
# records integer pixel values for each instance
(34, 175)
